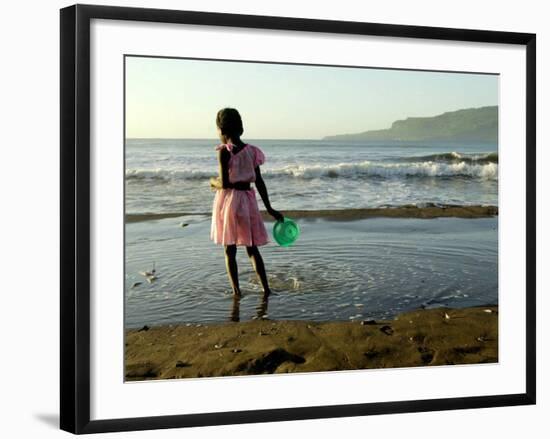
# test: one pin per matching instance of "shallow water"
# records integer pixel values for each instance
(354, 270)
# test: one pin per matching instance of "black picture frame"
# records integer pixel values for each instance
(75, 217)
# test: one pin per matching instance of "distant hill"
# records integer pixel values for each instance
(471, 124)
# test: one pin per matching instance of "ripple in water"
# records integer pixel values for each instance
(371, 268)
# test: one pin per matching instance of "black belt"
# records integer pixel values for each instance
(241, 186)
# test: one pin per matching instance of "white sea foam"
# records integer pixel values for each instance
(366, 169)
(487, 171)
(167, 174)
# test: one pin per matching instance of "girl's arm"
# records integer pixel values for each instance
(222, 182)
(262, 190)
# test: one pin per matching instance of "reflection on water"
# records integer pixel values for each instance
(371, 268)
(235, 309)
(261, 308)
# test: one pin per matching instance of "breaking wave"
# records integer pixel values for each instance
(362, 170)
(456, 157)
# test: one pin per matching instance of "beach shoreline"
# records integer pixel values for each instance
(422, 337)
(405, 211)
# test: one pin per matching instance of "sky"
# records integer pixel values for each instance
(179, 98)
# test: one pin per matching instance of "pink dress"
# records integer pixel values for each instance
(236, 217)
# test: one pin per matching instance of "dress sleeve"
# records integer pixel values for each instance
(224, 146)
(259, 157)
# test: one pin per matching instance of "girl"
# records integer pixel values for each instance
(236, 219)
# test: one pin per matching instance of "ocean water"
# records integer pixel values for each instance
(165, 176)
(337, 270)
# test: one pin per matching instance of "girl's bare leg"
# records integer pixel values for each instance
(259, 267)
(231, 265)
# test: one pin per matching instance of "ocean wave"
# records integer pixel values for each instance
(366, 169)
(391, 170)
(456, 157)
(165, 175)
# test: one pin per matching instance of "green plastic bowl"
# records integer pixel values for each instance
(286, 232)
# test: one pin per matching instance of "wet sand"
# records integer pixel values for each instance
(406, 211)
(425, 337)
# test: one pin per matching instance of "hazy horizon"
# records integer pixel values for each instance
(170, 98)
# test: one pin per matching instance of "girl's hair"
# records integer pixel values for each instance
(229, 121)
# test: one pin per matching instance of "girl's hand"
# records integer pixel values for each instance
(215, 183)
(275, 214)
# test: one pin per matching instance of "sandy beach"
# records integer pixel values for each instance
(424, 337)
(406, 211)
